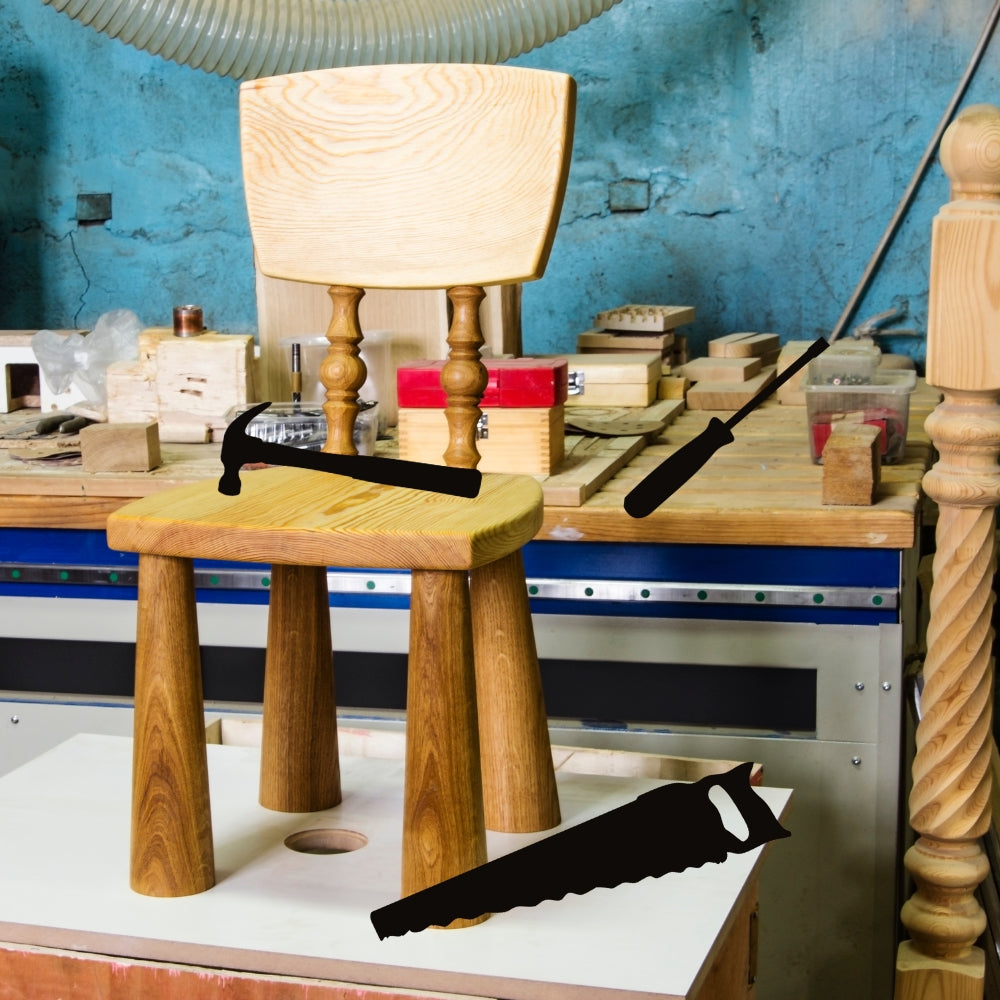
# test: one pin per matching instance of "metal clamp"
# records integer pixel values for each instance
(574, 385)
(483, 427)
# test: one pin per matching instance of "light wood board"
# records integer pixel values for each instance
(274, 911)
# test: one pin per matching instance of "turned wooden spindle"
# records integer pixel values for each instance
(464, 376)
(950, 800)
(342, 372)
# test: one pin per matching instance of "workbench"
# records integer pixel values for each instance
(740, 620)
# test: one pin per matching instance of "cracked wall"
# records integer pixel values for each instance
(775, 139)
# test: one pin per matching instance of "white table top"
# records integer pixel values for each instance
(64, 843)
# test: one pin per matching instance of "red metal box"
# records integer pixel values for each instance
(513, 382)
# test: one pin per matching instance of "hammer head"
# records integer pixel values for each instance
(238, 450)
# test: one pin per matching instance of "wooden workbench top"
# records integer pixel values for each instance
(760, 490)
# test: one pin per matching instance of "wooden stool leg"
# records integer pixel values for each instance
(300, 768)
(172, 851)
(443, 830)
(299, 763)
(519, 783)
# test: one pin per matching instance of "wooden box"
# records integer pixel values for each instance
(527, 440)
(517, 382)
(613, 379)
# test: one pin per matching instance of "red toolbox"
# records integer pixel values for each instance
(520, 382)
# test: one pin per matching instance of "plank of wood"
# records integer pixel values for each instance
(727, 395)
(743, 345)
(650, 319)
(610, 341)
(588, 464)
(720, 369)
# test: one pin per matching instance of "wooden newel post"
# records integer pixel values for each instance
(949, 803)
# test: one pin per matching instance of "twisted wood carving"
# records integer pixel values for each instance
(949, 802)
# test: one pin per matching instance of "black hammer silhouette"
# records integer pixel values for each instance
(240, 448)
(670, 829)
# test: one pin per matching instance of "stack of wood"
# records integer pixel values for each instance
(636, 328)
(186, 384)
(738, 366)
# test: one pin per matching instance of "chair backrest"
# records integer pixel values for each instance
(411, 176)
(414, 176)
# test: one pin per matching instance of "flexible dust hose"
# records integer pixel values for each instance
(246, 39)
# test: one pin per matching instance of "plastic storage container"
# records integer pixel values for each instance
(303, 425)
(881, 398)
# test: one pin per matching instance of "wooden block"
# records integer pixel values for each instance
(672, 387)
(525, 440)
(727, 395)
(791, 393)
(852, 462)
(131, 392)
(743, 345)
(648, 319)
(131, 447)
(721, 369)
(198, 379)
(599, 341)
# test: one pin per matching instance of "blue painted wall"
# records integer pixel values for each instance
(775, 138)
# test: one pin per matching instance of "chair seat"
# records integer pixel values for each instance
(308, 518)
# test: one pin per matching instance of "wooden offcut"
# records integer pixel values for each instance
(721, 369)
(791, 393)
(727, 395)
(672, 387)
(852, 462)
(743, 345)
(610, 342)
(131, 447)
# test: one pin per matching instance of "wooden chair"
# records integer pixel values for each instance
(422, 176)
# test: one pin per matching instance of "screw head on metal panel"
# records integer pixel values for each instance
(15, 719)
(886, 686)
(859, 686)
(856, 761)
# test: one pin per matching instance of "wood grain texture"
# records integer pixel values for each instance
(464, 377)
(299, 770)
(519, 785)
(54, 974)
(342, 372)
(296, 516)
(443, 825)
(950, 797)
(852, 464)
(172, 850)
(525, 440)
(728, 395)
(133, 447)
(366, 153)
(744, 345)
